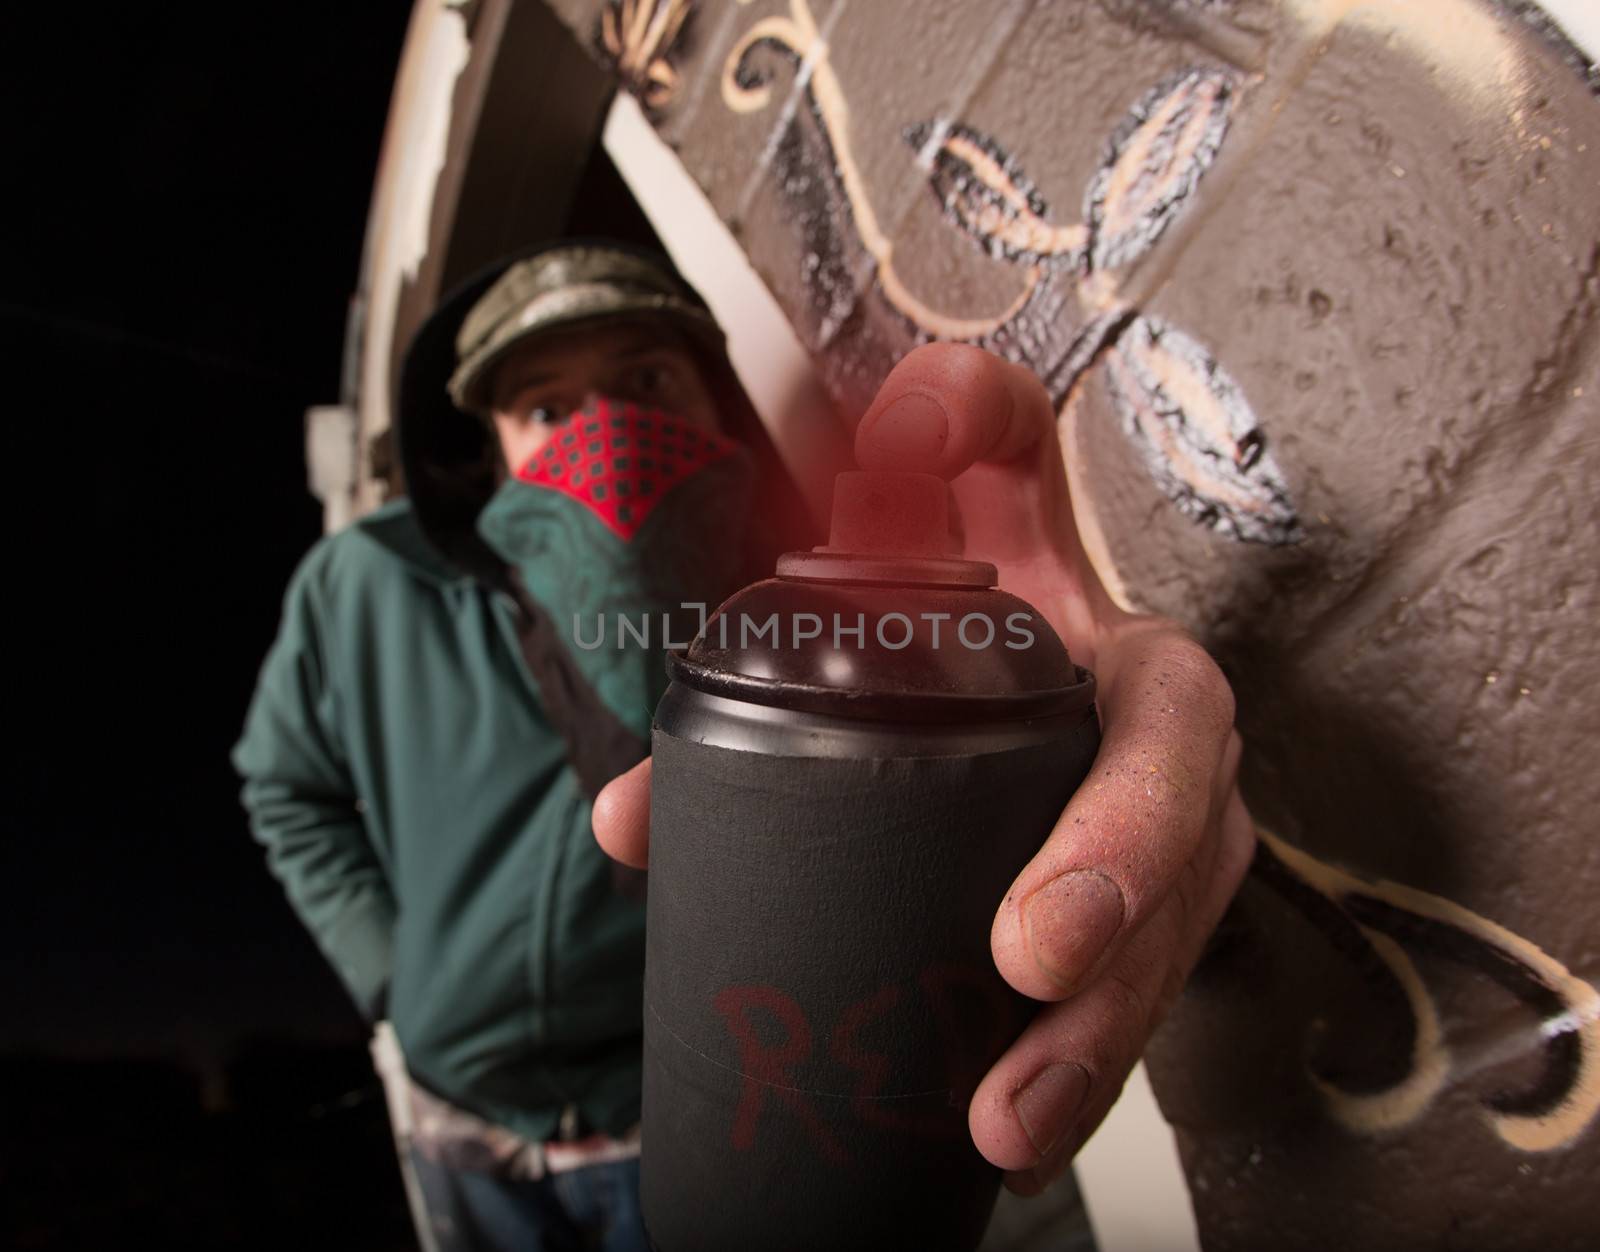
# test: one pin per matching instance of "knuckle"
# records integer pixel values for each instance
(1130, 1010)
(1164, 653)
(1206, 681)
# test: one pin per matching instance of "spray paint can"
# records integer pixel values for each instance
(852, 762)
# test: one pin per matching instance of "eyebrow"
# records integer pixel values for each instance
(510, 385)
(645, 345)
(524, 378)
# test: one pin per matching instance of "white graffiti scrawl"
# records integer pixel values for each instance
(1191, 423)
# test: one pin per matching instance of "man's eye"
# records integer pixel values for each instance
(538, 410)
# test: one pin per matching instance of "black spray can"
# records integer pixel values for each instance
(852, 763)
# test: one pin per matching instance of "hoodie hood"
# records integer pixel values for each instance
(451, 462)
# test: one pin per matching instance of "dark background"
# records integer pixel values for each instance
(186, 198)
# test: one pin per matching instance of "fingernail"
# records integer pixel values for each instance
(1070, 922)
(1050, 1103)
(909, 435)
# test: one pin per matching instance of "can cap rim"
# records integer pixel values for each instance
(913, 706)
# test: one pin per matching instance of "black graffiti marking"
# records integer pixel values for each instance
(1199, 437)
(830, 270)
(1210, 458)
(836, 265)
(806, 170)
(1200, 440)
(1397, 1039)
(1251, 447)
(1092, 342)
(751, 77)
(1154, 161)
(1563, 1052)
(1339, 916)
(1000, 208)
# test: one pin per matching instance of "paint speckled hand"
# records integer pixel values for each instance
(1107, 920)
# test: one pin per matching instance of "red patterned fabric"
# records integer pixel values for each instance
(620, 461)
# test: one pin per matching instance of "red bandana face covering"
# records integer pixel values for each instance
(621, 461)
(625, 518)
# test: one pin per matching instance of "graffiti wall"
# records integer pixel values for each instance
(1315, 286)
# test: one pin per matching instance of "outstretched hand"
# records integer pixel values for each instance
(1109, 917)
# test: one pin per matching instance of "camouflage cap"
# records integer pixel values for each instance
(561, 287)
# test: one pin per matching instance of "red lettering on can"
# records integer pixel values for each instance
(765, 1070)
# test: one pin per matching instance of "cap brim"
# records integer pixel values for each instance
(562, 310)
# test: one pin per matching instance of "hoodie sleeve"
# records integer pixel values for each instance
(303, 805)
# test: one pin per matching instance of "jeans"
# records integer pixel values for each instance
(594, 1209)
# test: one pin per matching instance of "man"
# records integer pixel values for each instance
(425, 740)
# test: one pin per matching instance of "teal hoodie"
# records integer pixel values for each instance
(419, 809)
(410, 758)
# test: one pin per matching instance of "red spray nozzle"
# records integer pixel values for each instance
(885, 513)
